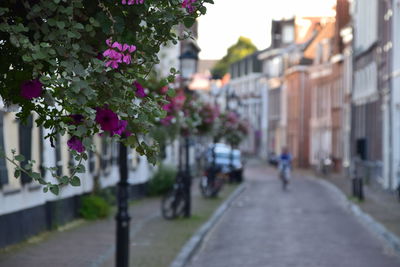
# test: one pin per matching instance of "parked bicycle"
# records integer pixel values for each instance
(212, 181)
(223, 164)
(174, 202)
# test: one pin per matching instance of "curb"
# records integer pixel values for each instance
(195, 241)
(367, 220)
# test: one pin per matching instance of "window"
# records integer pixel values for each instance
(25, 144)
(366, 20)
(105, 156)
(288, 34)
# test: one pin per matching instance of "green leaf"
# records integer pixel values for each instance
(17, 173)
(75, 181)
(36, 175)
(20, 158)
(55, 189)
(80, 168)
(189, 21)
(3, 11)
(79, 26)
(64, 180)
(51, 22)
(88, 28)
(60, 24)
(42, 181)
(45, 189)
(203, 10)
(28, 166)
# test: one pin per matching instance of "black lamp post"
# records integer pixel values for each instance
(122, 218)
(188, 66)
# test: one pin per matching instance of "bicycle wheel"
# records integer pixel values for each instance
(205, 186)
(218, 184)
(172, 205)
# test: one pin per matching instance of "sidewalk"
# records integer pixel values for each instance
(154, 241)
(382, 205)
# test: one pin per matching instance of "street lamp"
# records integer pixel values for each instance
(188, 67)
(188, 63)
(122, 218)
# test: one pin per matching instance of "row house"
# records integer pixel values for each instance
(330, 117)
(274, 61)
(389, 46)
(272, 65)
(285, 68)
(370, 136)
(297, 93)
(247, 86)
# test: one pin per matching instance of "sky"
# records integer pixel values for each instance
(227, 20)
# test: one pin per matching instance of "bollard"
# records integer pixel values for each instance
(360, 189)
(354, 186)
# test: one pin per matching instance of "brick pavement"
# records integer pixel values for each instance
(307, 226)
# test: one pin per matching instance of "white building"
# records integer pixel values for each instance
(250, 89)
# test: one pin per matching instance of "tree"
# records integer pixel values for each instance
(241, 49)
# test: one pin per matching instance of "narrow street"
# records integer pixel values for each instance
(306, 226)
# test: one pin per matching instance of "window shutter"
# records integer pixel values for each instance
(92, 160)
(25, 146)
(3, 166)
(41, 152)
(105, 156)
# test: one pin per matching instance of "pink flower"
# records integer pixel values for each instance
(31, 89)
(76, 144)
(168, 107)
(188, 4)
(121, 127)
(117, 45)
(129, 48)
(178, 101)
(112, 63)
(127, 59)
(107, 119)
(115, 57)
(167, 120)
(164, 90)
(139, 90)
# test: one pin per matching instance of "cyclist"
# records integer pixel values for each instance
(285, 166)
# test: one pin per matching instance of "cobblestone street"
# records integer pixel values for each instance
(306, 226)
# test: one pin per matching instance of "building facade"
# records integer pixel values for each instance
(394, 79)
(247, 85)
(370, 90)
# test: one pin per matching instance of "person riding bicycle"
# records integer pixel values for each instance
(285, 164)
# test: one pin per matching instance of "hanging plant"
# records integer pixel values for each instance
(82, 67)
